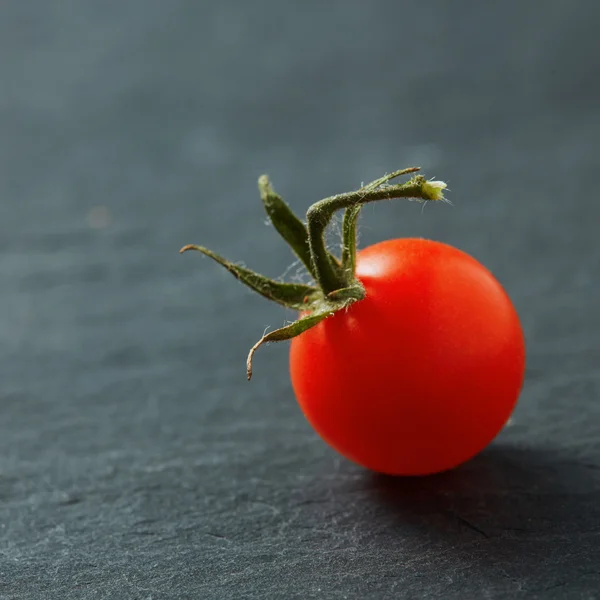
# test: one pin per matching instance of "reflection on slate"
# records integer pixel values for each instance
(136, 461)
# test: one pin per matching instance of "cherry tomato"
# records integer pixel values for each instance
(421, 374)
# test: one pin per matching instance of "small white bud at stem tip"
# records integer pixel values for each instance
(434, 190)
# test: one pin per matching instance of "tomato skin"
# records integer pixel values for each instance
(423, 373)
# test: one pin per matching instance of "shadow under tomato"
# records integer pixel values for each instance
(530, 517)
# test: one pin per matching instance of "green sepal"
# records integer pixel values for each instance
(287, 224)
(383, 180)
(290, 295)
(351, 215)
(290, 331)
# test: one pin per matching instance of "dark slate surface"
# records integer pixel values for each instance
(136, 462)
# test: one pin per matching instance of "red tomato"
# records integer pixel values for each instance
(424, 372)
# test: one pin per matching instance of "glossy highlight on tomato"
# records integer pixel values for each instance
(423, 372)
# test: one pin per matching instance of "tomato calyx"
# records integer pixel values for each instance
(335, 285)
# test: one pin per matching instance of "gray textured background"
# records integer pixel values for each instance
(135, 460)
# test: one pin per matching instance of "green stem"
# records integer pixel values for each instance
(319, 216)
